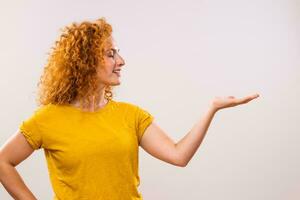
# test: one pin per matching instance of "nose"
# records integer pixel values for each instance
(120, 61)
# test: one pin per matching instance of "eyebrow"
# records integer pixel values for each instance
(113, 49)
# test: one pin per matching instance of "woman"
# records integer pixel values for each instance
(91, 141)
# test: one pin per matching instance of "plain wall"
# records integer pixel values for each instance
(179, 55)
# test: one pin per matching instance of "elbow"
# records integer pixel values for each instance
(4, 162)
(180, 163)
(180, 160)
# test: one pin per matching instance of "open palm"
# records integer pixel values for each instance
(231, 101)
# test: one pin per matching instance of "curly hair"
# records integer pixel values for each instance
(71, 70)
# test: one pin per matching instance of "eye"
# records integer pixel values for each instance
(111, 54)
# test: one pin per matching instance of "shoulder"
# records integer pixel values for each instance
(126, 105)
(44, 108)
(132, 108)
(43, 111)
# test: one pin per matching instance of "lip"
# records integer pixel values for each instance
(117, 73)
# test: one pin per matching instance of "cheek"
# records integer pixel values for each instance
(107, 67)
(106, 72)
(108, 62)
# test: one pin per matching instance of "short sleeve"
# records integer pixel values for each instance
(29, 128)
(143, 119)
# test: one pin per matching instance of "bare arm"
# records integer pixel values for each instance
(157, 143)
(14, 151)
(189, 144)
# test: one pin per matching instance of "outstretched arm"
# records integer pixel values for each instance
(157, 143)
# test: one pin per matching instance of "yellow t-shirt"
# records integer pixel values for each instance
(90, 155)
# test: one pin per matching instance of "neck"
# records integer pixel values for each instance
(97, 102)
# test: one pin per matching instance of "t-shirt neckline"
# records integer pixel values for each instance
(105, 107)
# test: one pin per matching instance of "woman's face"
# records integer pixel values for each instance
(110, 72)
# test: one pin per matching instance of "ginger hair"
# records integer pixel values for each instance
(71, 70)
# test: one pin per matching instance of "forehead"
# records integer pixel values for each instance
(109, 43)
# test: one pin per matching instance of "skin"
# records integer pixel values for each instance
(16, 149)
(112, 61)
(155, 141)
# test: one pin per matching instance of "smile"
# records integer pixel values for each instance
(117, 73)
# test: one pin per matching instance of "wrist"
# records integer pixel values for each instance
(213, 108)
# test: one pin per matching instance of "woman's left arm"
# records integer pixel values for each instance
(157, 143)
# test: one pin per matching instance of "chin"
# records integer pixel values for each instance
(115, 83)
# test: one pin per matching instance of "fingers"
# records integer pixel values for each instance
(255, 95)
(242, 100)
(230, 101)
(248, 98)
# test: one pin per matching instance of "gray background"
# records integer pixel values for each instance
(179, 55)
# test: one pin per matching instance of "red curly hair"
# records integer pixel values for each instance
(71, 70)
